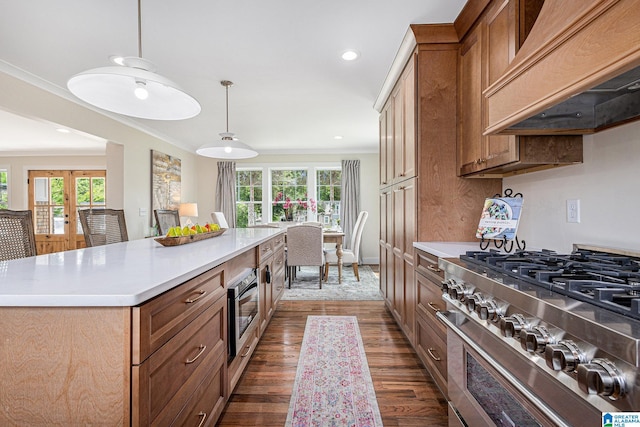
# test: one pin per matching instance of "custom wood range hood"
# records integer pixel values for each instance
(578, 71)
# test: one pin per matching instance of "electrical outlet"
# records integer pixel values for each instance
(573, 210)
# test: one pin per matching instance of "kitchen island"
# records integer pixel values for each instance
(131, 333)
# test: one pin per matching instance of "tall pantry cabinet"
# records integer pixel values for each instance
(421, 196)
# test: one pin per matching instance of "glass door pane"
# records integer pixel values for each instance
(49, 205)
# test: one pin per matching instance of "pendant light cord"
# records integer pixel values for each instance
(139, 30)
(227, 87)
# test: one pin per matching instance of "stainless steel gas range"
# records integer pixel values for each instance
(540, 338)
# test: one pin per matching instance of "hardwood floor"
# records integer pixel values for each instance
(407, 396)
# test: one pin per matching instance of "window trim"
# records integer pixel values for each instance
(7, 170)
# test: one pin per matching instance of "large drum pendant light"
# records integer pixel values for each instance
(134, 89)
(227, 147)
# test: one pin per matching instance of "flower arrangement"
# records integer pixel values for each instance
(291, 206)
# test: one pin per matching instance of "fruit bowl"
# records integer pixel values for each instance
(183, 240)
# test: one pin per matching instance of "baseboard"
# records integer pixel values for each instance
(371, 260)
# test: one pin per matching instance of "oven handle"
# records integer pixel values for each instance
(247, 294)
(539, 404)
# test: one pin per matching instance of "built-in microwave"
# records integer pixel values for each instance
(243, 308)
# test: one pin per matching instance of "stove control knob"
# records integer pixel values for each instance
(564, 356)
(489, 310)
(535, 340)
(447, 284)
(512, 325)
(473, 301)
(600, 376)
(459, 291)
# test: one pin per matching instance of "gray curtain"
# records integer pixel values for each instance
(226, 191)
(350, 200)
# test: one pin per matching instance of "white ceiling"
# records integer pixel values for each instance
(292, 92)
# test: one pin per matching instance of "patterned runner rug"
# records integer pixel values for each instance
(333, 385)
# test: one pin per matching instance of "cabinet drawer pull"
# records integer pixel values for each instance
(202, 415)
(266, 249)
(433, 268)
(202, 348)
(247, 352)
(191, 301)
(433, 355)
(433, 306)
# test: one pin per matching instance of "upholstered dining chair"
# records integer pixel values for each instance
(349, 256)
(304, 248)
(17, 238)
(218, 218)
(165, 219)
(103, 226)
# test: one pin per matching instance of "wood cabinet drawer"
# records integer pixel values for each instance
(163, 383)
(432, 350)
(429, 300)
(278, 242)
(278, 261)
(265, 250)
(158, 320)
(207, 401)
(427, 264)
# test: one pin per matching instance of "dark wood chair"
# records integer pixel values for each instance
(103, 226)
(17, 238)
(165, 219)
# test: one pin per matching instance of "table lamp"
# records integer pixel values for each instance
(188, 210)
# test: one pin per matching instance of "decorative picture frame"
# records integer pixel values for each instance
(166, 184)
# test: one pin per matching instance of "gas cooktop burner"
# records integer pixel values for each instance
(607, 280)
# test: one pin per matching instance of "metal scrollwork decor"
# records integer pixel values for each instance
(504, 244)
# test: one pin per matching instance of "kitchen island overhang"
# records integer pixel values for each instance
(118, 275)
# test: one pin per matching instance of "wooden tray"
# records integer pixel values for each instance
(183, 240)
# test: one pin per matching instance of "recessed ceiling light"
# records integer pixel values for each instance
(63, 130)
(350, 55)
(337, 137)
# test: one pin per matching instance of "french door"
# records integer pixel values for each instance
(55, 197)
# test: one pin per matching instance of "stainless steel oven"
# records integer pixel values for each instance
(243, 308)
(538, 338)
(483, 390)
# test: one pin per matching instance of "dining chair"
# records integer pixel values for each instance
(218, 218)
(103, 226)
(351, 255)
(304, 248)
(17, 238)
(165, 219)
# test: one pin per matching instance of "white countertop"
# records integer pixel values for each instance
(447, 249)
(120, 274)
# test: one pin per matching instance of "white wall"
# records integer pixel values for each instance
(607, 185)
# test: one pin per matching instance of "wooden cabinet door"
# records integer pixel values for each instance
(470, 150)
(383, 147)
(501, 45)
(409, 87)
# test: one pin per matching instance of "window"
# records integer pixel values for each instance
(4, 190)
(328, 192)
(248, 197)
(291, 193)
